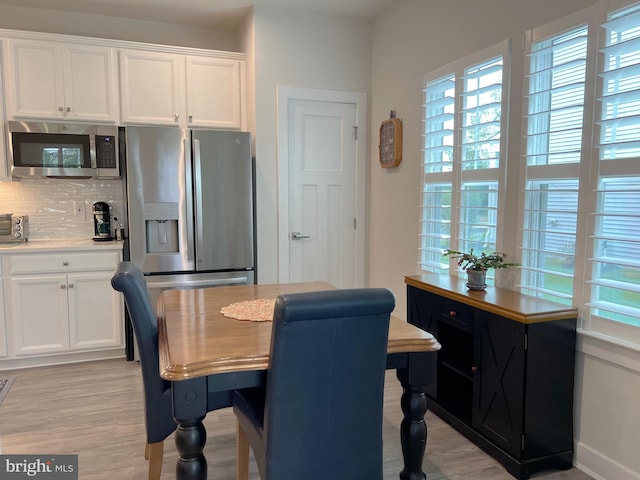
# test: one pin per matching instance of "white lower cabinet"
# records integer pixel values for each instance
(64, 303)
(40, 314)
(3, 331)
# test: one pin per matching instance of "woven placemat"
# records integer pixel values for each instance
(260, 310)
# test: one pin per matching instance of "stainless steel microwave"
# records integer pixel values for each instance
(63, 150)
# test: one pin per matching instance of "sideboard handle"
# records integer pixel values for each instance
(452, 313)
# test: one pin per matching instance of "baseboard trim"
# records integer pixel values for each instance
(599, 466)
(60, 359)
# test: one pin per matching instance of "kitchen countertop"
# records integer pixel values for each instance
(66, 245)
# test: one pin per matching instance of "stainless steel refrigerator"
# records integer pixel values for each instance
(190, 207)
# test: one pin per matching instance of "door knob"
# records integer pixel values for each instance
(298, 235)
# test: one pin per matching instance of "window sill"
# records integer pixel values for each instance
(611, 349)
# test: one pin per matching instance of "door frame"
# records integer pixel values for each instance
(284, 95)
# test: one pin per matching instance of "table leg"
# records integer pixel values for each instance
(413, 429)
(413, 433)
(191, 437)
(189, 409)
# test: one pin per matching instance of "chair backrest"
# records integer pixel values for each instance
(325, 385)
(129, 280)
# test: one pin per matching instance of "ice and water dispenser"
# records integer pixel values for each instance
(161, 224)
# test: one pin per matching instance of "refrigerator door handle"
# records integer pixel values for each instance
(198, 194)
(189, 201)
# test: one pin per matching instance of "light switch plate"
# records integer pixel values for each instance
(80, 210)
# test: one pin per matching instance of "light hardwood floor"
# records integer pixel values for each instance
(96, 410)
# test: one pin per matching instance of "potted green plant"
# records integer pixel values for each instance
(476, 266)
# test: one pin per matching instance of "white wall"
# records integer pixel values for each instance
(101, 26)
(300, 49)
(410, 39)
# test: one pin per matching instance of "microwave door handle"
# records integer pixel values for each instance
(198, 207)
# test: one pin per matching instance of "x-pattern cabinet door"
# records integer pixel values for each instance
(499, 383)
(424, 312)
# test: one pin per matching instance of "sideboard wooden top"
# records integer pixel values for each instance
(507, 303)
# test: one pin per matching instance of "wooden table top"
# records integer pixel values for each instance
(501, 301)
(196, 340)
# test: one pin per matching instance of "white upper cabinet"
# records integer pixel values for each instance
(152, 88)
(54, 81)
(4, 160)
(183, 90)
(215, 89)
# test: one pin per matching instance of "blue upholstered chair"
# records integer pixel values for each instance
(159, 422)
(320, 415)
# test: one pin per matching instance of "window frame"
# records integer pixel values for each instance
(513, 176)
(459, 176)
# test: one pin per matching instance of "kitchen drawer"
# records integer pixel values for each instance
(457, 310)
(62, 262)
(457, 314)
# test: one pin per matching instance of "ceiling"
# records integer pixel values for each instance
(201, 13)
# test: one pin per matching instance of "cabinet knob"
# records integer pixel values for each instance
(63, 287)
(452, 313)
(60, 109)
(474, 369)
(177, 116)
(190, 118)
(71, 285)
(68, 109)
(65, 264)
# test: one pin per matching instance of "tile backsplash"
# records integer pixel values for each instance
(61, 208)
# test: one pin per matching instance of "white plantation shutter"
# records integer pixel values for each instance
(555, 87)
(481, 110)
(480, 152)
(577, 234)
(615, 261)
(463, 143)
(435, 208)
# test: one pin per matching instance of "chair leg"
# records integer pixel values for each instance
(155, 460)
(146, 451)
(242, 450)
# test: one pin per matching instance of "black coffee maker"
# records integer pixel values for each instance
(101, 222)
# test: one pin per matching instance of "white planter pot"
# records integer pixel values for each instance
(476, 279)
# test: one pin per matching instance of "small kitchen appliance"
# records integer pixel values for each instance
(101, 221)
(14, 228)
(38, 150)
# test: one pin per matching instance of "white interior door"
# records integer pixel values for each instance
(325, 208)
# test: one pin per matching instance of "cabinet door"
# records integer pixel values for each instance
(5, 172)
(423, 310)
(3, 331)
(498, 386)
(34, 80)
(90, 83)
(95, 318)
(40, 314)
(215, 89)
(152, 88)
